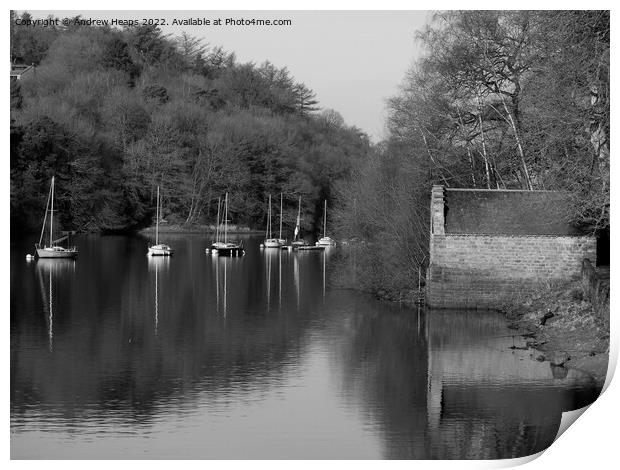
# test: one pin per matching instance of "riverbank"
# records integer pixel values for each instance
(232, 229)
(563, 328)
(559, 325)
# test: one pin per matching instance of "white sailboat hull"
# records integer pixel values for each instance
(53, 250)
(226, 249)
(57, 252)
(160, 250)
(272, 243)
(326, 241)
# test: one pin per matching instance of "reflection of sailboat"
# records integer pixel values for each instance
(159, 249)
(217, 285)
(325, 240)
(55, 269)
(270, 257)
(268, 266)
(224, 288)
(158, 264)
(53, 249)
(324, 259)
(296, 278)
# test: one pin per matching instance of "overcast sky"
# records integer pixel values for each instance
(353, 60)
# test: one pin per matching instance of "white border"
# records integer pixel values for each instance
(590, 443)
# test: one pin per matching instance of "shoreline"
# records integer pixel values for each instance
(563, 329)
(200, 229)
(571, 337)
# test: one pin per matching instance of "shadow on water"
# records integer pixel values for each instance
(120, 355)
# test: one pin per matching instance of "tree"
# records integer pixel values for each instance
(306, 99)
(197, 123)
(192, 49)
(116, 55)
(513, 99)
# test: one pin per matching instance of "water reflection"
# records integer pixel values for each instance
(478, 385)
(49, 273)
(115, 355)
(157, 264)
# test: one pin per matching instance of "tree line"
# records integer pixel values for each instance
(497, 100)
(113, 113)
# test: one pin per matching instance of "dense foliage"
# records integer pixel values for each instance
(114, 113)
(499, 99)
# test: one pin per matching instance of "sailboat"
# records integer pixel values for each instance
(271, 242)
(225, 248)
(53, 249)
(159, 249)
(297, 241)
(325, 240)
(281, 240)
(217, 243)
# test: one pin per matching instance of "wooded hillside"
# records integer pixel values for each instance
(114, 113)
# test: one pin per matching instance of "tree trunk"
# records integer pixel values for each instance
(469, 154)
(526, 173)
(484, 144)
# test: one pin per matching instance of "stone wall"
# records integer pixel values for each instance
(469, 270)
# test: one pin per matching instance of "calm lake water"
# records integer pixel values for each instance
(117, 355)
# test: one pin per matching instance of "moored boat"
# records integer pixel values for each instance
(325, 241)
(298, 242)
(217, 243)
(281, 240)
(270, 241)
(53, 249)
(159, 249)
(310, 247)
(225, 248)
(228, 249)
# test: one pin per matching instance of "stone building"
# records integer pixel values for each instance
(18, 71)
(489, 246)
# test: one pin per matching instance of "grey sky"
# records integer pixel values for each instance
(353, 60)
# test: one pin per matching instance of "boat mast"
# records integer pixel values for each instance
(325, 220)
(52, 212)
(157, 221)
(298, 228)
(267, 224)
(47, 206)
(269, 219)
(217, 223)
(226, 220)
(280, 216)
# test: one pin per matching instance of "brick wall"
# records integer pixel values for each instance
(484, 270)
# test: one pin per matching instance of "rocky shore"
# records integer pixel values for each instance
(563, 328)
(558, 324)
